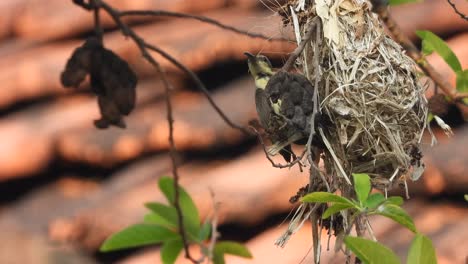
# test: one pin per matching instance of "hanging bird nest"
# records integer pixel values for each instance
(367, 87)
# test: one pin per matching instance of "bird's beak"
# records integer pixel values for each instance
(249, 55)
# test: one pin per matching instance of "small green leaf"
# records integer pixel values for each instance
(462, 81)
(397, 214)
(162, 214)
(326, 197)
(170, 250)
(137, 235)
(371, 252)
(335, 208)
(362, 186)
(421, 251)
(399, 2)
(205, 231)
(431, 43)
(189, 210)
(374, 200)
(396, 200)
(218, 258)
(155, 219)
(466, 197)
(232, 248)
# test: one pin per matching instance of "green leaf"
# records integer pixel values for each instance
(326, 197)
(232, 248)
(466, 197)
(421, 251)
(362, 186)
(205, 231)
(462, 81)
(155, 219)
(137, 235)
(374, 200)
(399, 2)
(431, 43)
(335, 208)
(396, 200)
(397, 214)
(189, 210)
(371, 252)
(162, 215)
(170, 250)
(218, 258)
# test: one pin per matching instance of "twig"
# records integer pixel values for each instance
(315, 236)
(97, 4)
(204, 19)
(335, 158)
(83, 4)
(370, 229)
(416, 55)
(297, 52)
(214, 225)
(456, 10)
(200, 86)
(173, 153)
(97, 23)
(278, 165)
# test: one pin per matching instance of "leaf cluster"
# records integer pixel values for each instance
(368, 203)
(161, 226)
(432, 43)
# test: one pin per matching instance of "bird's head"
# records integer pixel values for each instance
(259, 66)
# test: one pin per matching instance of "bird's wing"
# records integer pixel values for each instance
(263, 107)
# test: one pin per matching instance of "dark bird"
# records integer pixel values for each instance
(284, 103)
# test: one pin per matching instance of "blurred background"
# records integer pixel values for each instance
(65, 186)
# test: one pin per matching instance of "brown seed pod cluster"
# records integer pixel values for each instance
(111, 78)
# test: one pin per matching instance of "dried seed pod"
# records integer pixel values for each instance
(77, 67)
(110, 114)
(112, 80)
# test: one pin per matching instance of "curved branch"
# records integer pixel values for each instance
(204, 19)
(452, 4)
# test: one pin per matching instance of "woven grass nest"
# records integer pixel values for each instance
(369, 89)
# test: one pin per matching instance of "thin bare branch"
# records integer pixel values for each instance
(159, 13)
(83, 4)
(452, 4)
(200, 86)
(97, 4)
(214, 226)
(288, 165)
(173, 153)
(97, 23)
